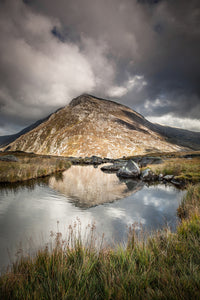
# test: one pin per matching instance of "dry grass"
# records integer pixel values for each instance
(184, 169)
(30, 166)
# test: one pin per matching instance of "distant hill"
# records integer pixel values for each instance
(93, 126)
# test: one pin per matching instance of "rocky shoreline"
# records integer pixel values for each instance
(142, 161)
(139, 167)
(130, 168)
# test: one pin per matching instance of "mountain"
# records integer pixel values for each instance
(93, 126)
(7, 139)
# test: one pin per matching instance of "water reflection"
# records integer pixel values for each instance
(87, 186)
(28, 184)
(33, 209)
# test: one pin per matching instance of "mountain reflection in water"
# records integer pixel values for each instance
(87, 186)
(32, 209)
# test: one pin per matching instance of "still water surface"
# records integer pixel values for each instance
(30, 211)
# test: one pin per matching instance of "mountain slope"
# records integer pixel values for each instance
(92, 126)
(7, 139)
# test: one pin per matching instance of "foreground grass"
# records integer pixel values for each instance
(166, 266)
(30, 166)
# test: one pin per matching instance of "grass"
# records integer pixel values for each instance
(186, 170)
(165, 266)
(30, 166)
(190, 205)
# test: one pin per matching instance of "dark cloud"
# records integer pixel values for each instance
(142, 53)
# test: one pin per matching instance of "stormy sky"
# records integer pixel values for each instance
(141, 53)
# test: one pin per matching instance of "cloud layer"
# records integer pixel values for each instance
(144, 54)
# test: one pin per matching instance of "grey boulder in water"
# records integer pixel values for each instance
(130, 169)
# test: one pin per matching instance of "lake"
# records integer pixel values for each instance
(31, 211)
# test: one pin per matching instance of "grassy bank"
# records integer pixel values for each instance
(184, 169)
(166, 266)
(30, 166)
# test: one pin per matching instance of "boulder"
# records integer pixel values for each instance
(168, 177)
(130, 169)
(177, 183)
(148, 175)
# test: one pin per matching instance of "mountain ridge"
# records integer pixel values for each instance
(89, 125)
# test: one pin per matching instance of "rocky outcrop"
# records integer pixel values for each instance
(93, 160)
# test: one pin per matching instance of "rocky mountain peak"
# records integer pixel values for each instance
(92, 126)
(82, 99)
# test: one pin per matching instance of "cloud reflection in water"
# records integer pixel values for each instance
(90, 195)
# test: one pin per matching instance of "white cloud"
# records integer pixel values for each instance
(103, 68)
(117, 91)
(158, 102)
(184, 123)
(115, 212)
(134, 84)
(39, 70)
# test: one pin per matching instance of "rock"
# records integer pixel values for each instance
(192, 155)
(96, 160)
(130, 169)
(176, 183)
(148, 175)
(9, 158)
(93, 160)
(112, 168)
(121, 161)
(106, 160)
(160, 177)
(75, 160)
(168, 177)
